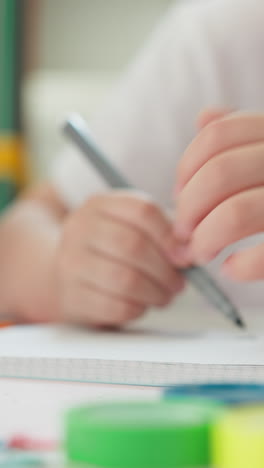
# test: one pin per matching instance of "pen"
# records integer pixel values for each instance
(76, 128)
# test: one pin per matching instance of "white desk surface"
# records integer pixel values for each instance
(35, 408)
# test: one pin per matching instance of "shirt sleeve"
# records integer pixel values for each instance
(203, 54)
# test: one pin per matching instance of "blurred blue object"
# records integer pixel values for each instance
(231, 394)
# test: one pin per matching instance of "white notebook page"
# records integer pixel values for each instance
(142, 342)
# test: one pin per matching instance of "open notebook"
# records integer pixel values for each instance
(151, 352)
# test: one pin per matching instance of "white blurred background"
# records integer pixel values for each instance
(78, 48)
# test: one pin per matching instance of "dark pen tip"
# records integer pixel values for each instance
(240, 322)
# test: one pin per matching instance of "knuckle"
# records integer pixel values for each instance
(136, 244)
(216, 133)
(129, 280)
(147, 210)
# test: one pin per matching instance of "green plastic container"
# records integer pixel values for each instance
(158, 434)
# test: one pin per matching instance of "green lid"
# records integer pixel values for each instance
(159, 434)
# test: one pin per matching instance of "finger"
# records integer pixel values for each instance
(247, 265)
(142, 214)
(208, 116)
(128, 245)
(204, 118)
(90, 306)
(220, 178)
(119, 280)
(236, 218)
(222, 135)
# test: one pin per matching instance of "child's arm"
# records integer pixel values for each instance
(29, 235)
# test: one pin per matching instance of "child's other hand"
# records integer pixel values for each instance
(220, 188)
(112, 263)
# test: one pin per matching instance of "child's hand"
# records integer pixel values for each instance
(220, 187)
(112, 262)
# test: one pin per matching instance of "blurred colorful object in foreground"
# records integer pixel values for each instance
(12, 160)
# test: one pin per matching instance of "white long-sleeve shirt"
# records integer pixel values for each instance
(205, 53)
